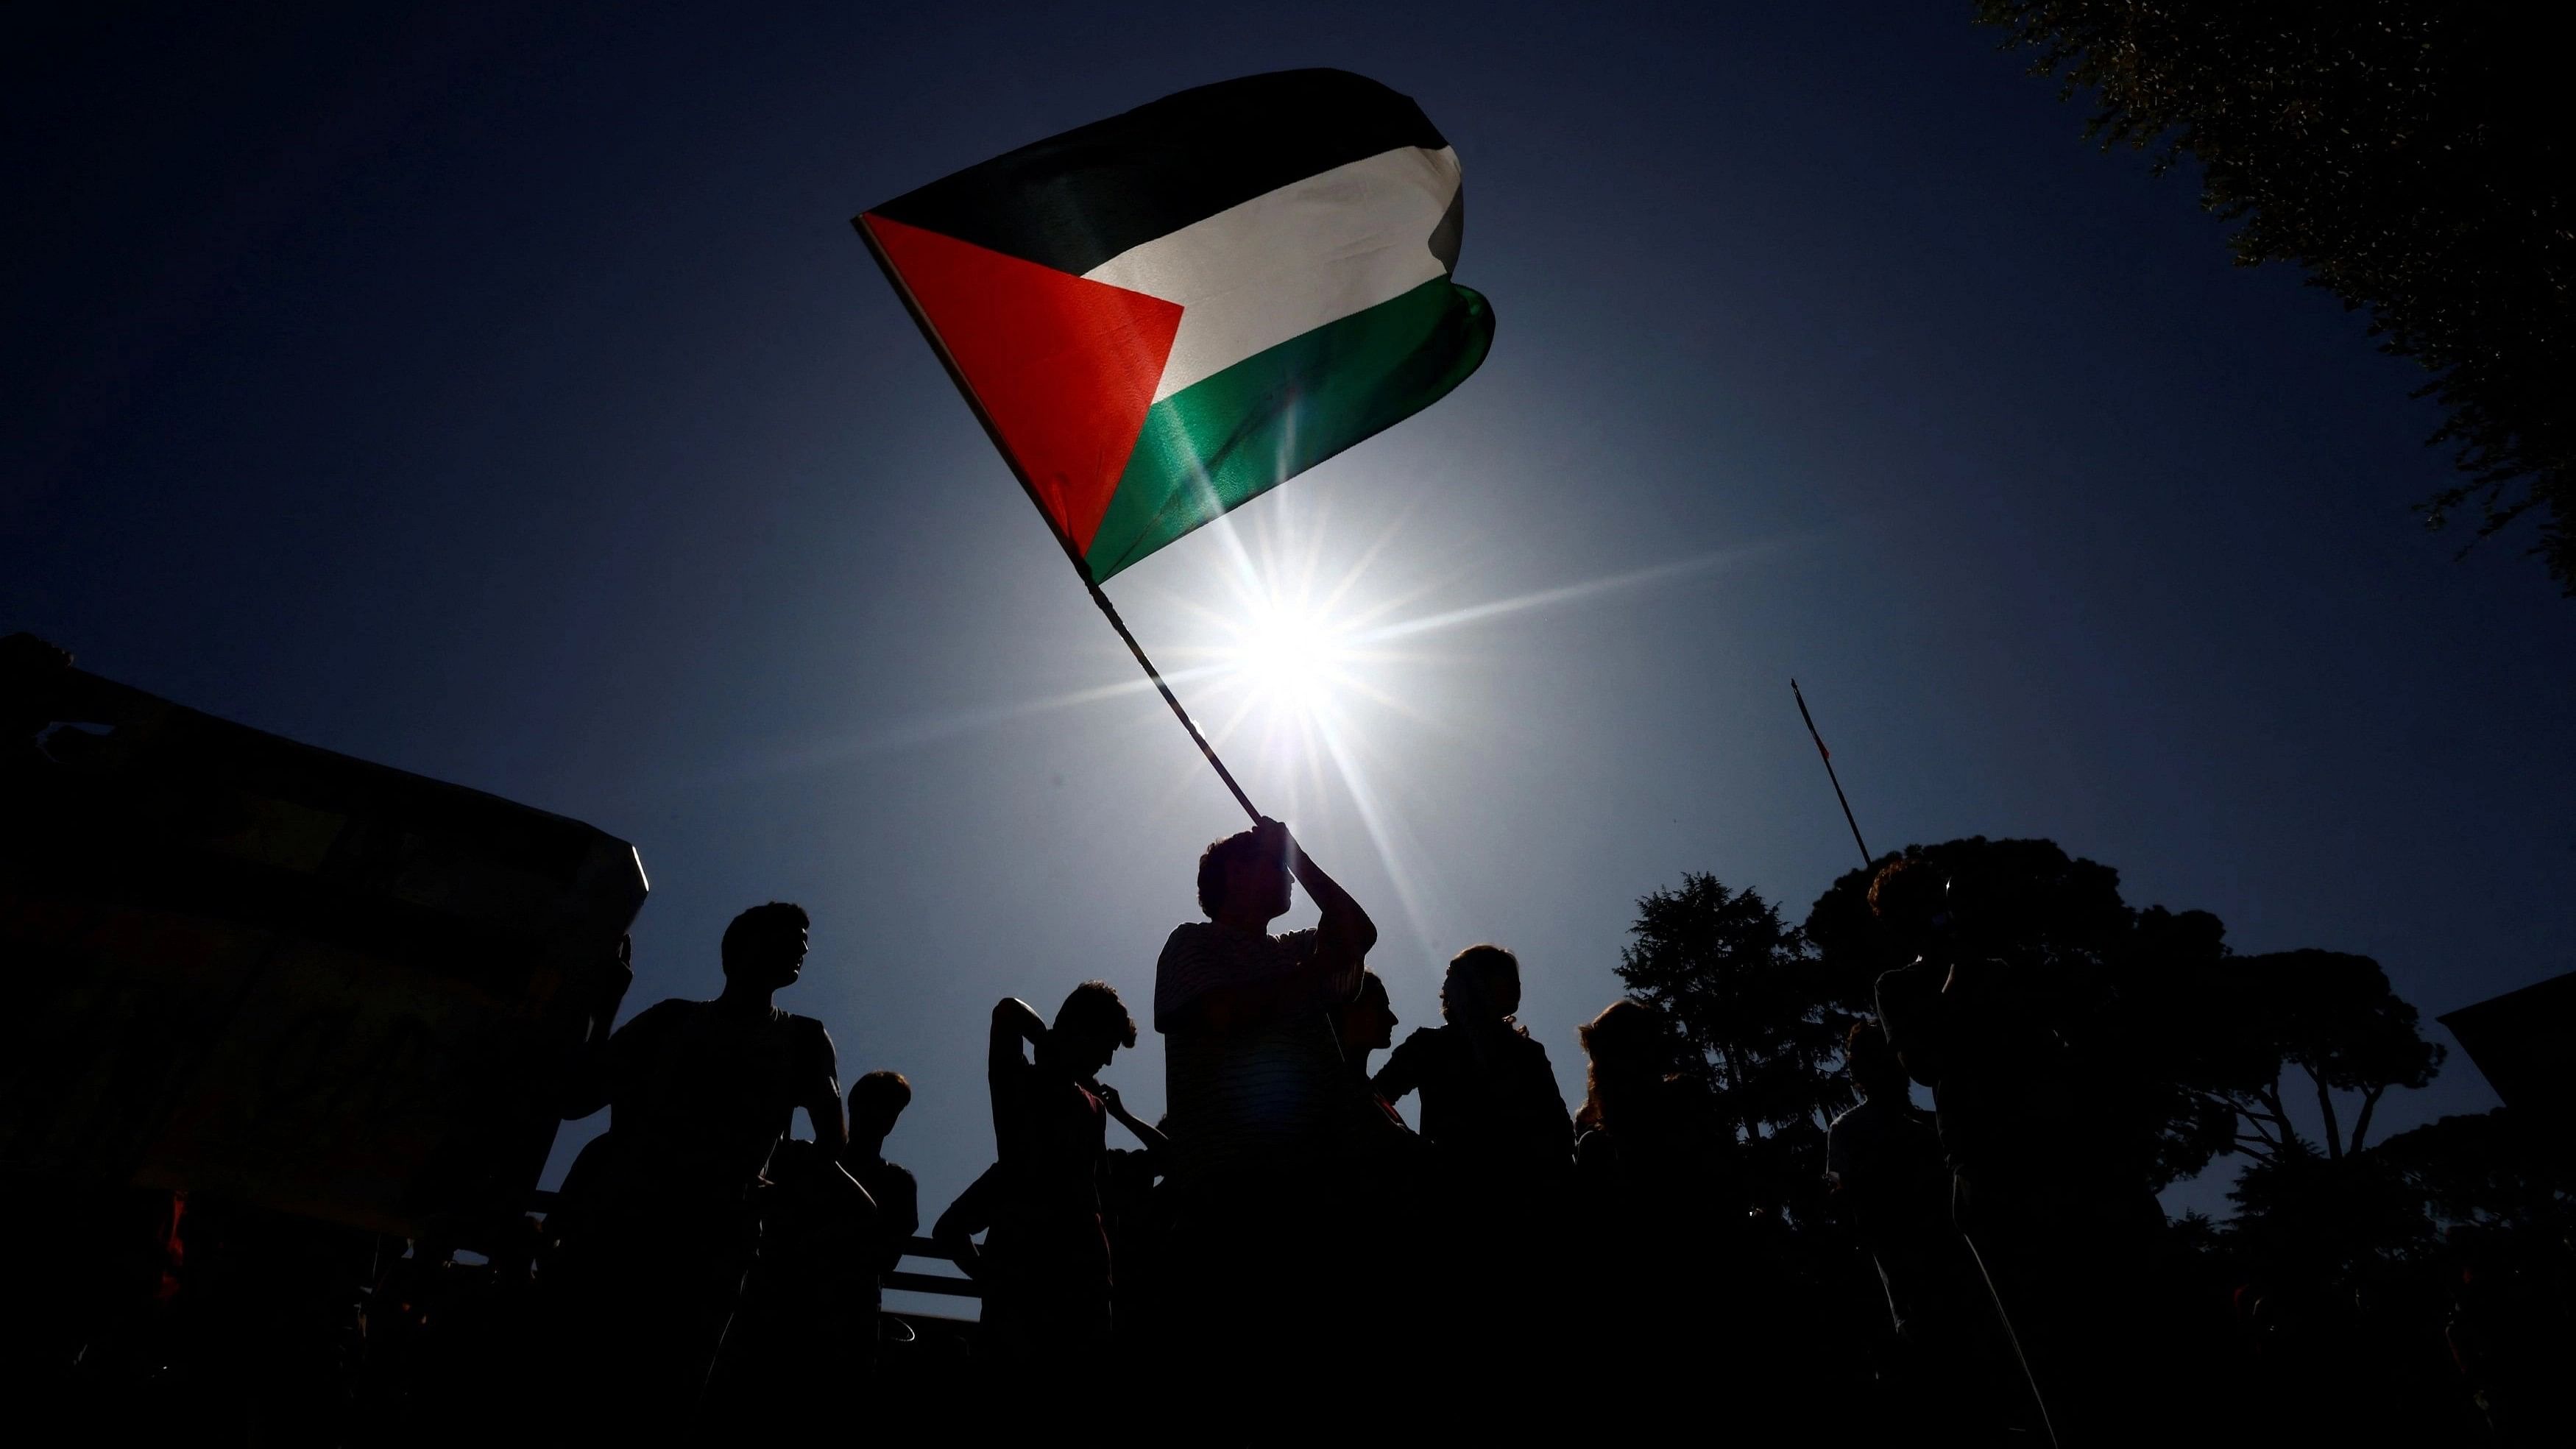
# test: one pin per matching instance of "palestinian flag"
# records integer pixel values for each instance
(1161, 315)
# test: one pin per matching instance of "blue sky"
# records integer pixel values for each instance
(504, 396)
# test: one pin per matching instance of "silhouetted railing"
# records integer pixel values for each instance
(954, 1287)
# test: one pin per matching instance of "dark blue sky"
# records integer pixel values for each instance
(505, 396)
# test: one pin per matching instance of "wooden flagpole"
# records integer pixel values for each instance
(1828, 756)
(1081, 567)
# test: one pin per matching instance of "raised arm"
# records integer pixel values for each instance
(1014, 1022)
(1347, 931)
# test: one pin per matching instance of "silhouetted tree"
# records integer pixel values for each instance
(2195, 1038)
(2336, 1020)
(2410, 156)
(1757, 1028)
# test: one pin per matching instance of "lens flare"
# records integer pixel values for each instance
(1290, 656)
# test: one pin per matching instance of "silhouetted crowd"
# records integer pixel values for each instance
(1281, 1258)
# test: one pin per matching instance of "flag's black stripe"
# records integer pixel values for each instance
(1074, 201)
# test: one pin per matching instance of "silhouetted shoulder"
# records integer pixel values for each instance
(897, 1194)
(660, 1017)
(1420, 1040)
(645, 1038)
(1408, 1064)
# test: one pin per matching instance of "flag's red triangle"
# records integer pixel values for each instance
(1065, 367)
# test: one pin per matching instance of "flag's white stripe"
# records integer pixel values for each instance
(1288, 261)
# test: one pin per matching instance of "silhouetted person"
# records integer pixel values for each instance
(876, 1101)
(1883, 1164)
(1663, 1207)
(1385, 1161)
(1255, 1078)
(807, 1314)
(1260, 1099)
(2041, 1188)
(1363, 1025)
(1489, 1098)
(1138, 1207)
(1505, 1148)
(1046, 1266)
(699, 1094)
(1884, 1168)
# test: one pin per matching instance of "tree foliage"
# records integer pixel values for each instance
(2335, 1019)
(1737, 983)
(2183, 1044)
(1733, 978)
(2189, 1041)
(2408, 155)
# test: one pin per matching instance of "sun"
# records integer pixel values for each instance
(1290, 655)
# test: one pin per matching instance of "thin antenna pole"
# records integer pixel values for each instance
(1827, 755)
(1081, 566)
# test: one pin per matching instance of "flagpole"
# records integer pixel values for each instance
(1109, 611)
(1828, 756)
(1081, 566)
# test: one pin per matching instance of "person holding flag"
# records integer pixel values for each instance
(1159, 317)
(1257, 1088)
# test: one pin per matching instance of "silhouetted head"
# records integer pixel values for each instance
(1246, 873)
(1910, 900)
(876, 1100)
(1089, 1029)
(765, 946)
(1368, 1023)
(1872, 1062)
(1483, 984)
(1625, 1048)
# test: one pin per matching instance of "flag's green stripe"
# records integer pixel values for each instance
(1227, 439)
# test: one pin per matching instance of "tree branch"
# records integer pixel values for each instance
(2271, 1096)
(2256, 1121)
(2369, 1103)
(2261, 1149)
(2325, 1107)
(2252, 1118)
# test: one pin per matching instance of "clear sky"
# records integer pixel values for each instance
(505, 396)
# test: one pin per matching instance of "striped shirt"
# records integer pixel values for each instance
(1263, 1095)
